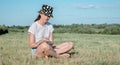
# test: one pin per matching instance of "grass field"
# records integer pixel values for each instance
(90, 49)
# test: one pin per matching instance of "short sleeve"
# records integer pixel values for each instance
(51, 28)
(32, 29)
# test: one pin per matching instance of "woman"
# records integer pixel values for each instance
(41, 36)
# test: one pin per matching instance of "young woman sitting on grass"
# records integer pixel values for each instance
(41, 37)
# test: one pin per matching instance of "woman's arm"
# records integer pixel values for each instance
(51, 38)
(32, 41)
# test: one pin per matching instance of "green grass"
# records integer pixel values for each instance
(90, 49)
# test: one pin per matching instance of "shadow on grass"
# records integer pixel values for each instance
(73, 53)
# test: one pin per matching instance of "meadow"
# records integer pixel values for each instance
(90, 49)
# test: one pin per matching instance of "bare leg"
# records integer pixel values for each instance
(45, 50)
(64, 47)
(40, 50)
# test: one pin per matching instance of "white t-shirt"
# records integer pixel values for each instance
(40, 31)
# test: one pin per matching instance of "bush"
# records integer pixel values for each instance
(3, 29)
(112, 30)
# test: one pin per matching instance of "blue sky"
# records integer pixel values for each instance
(23, 12)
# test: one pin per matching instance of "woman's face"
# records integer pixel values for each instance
(44, 17)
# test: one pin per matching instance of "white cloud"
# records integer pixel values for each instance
(84, 6)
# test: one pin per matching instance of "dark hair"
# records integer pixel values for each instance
(38, 18)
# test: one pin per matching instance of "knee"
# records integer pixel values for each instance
(70, 44)
(44, 46)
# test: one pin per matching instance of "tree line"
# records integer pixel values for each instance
(73, 28)
(88, 28)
